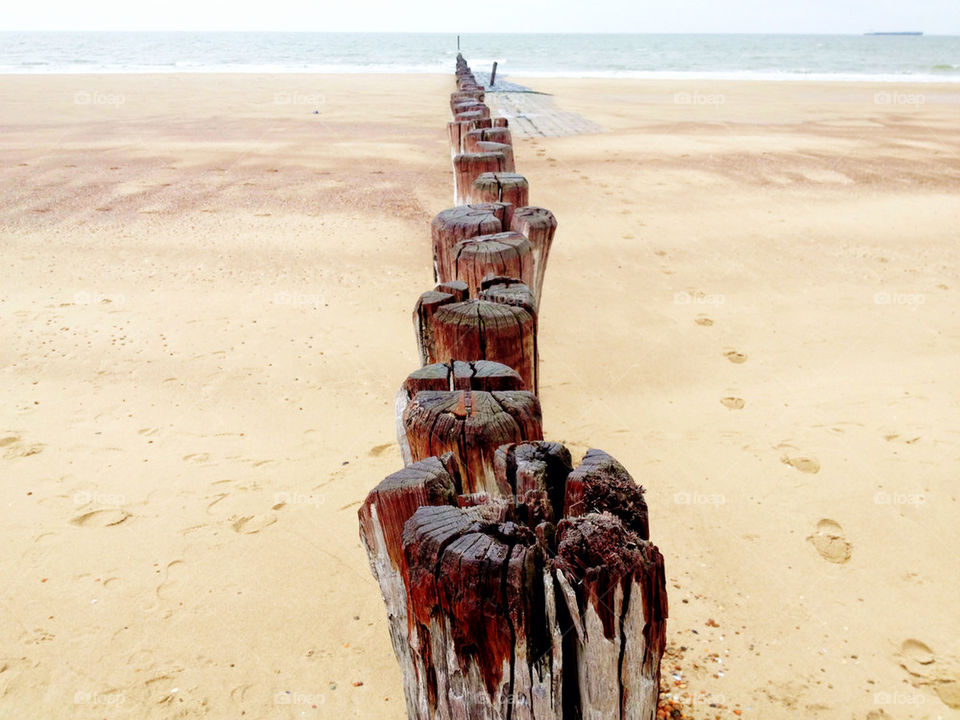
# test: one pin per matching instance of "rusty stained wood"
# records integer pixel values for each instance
(456, 375)
(471, 424)
(516, 612)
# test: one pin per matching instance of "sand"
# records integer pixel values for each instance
(205, 312)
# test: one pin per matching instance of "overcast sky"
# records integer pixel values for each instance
(653, 16)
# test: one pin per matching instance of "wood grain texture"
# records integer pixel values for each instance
(459, 223)
(467, 167)
(501, 187)
(471, 424)
(515, 611)
(539, 226)
(500, 254)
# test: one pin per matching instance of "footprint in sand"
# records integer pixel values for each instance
(803, 463)
(703, 321)
(15, 447)
(830, 542)
(101, 518)
(732, 403)
(377, 450)
(738, 358)
(921, 662)
(171, 586)
(251, 524)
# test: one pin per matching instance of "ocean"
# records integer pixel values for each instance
(928, 58)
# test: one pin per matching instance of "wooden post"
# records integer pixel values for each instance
(500, 135)
(434, 481)
(501, 187)
(467, 167)
(539, 226)
(459, 223)
(471, 424)
(514, 610)
(517, 587)
(499, 325)
(493, 75)
(456, 375)
(500, 254)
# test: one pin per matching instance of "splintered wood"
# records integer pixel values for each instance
(516, 608)
(517, 586)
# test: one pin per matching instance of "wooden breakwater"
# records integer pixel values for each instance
(517, 586)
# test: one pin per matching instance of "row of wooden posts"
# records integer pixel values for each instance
(517, 586)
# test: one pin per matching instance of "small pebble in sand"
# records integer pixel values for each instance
(358, 683)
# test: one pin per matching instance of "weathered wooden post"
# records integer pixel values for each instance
(499, 324)
(517, 587)
(451, 226)
(483, 375)
(471, 424)
(505, 254)
(467, 167)
(459, 223)
(500, 187)
(517, 607)
(538, 226)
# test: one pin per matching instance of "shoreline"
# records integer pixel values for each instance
(638, 76)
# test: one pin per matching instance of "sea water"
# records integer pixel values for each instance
(928, 58)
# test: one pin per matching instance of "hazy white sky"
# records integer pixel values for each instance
(789, 16)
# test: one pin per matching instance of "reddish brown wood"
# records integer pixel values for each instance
(469, 106)
(484, 375)
(471, 424)
(517, 587)
(500, 254)
(462, 95)
(493, 147)
(434, 481)
(491, 134)
(539, 226)
(508, 291)
(513, 616)
(501, 122)
(427, 306)
(501, 187)
(601, 484)
(464, 221)
(483, 330)
(467, 167)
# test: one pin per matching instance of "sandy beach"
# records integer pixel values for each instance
(205, 309)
